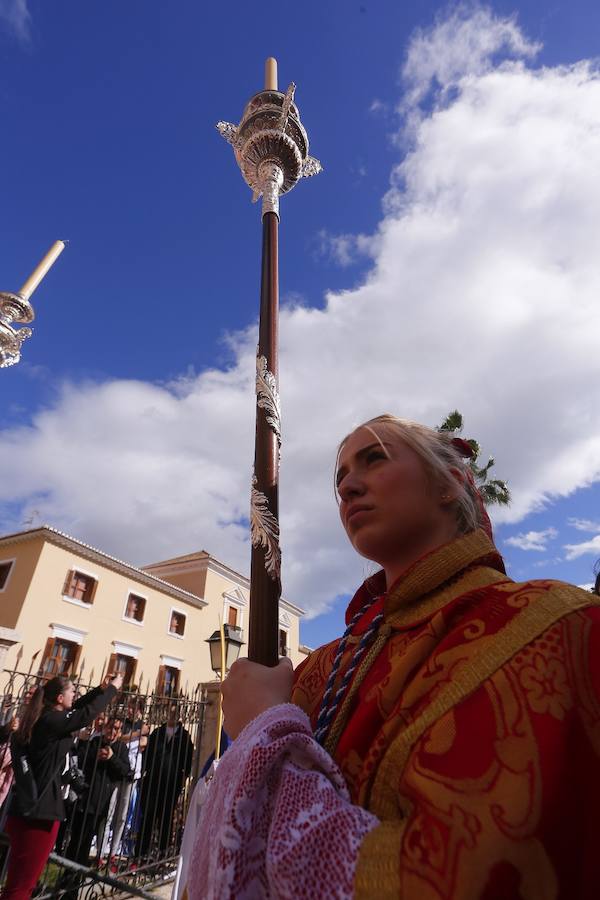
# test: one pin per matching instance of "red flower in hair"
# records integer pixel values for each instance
(463, 447)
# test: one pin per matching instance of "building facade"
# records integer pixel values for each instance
(66, 607)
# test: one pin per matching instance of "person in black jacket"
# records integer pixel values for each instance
(105, 763)
(39, 750)
(167, 764)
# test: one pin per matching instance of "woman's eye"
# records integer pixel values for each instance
(373, 455)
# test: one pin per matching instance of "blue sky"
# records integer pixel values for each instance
(444, 258)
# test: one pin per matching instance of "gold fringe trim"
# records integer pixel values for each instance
(436, 569)
(467, 582)
(377, 875)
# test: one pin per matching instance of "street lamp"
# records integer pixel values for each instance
(233, 643)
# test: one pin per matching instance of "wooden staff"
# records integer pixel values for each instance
(271, 148)
(265, 579)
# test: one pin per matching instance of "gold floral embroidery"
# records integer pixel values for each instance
(545, 682)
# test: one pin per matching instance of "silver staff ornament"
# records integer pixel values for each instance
(271, 143)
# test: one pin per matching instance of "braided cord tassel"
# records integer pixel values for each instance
(327, 712)
(336, 665)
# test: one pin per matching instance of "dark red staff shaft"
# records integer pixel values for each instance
(265, 590)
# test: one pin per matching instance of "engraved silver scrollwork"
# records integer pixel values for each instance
(227, 130)
(11, 340)
(272, 179)
(287, 105)
(267, 395)
(264, 531)
(311, 166)
(13, 308)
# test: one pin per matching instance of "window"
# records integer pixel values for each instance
(177, 623)
(60, 657)
(80, 587)
(283, 647)
(5, 570)
(120, 664)
(168, 681)
(232, 616)
(136, 607)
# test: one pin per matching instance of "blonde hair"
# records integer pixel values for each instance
(439, 457)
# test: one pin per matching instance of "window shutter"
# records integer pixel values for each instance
(93, 592)
(47, 659)
(67, 584)
(130, 676)
(160, 680)
(76, 657)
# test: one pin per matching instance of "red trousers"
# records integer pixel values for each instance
(31, 841)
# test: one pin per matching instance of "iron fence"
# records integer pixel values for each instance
(124, 821)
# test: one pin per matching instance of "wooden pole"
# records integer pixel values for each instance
(265, 588)
(271, 149)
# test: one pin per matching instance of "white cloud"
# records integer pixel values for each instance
(464, 42)
(16, 18)
(483, 296)
(379, 107)
(574, 551)
(346, 249)
(532, 540)
(584, 525)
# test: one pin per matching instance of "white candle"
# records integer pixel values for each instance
(41, 269)
(271, 74)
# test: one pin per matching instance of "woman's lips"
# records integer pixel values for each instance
(355, 512)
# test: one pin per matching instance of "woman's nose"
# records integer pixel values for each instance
(351, 486)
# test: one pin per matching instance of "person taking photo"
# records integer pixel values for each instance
(39, 750)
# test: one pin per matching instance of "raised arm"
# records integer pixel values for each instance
(84, 711)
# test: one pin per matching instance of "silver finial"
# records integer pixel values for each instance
(271, 146)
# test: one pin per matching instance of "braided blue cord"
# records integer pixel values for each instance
(336, 663)
(327, 712)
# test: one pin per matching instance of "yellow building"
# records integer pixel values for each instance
(73, 607)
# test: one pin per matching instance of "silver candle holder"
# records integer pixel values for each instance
(271, 146)
(16, 309)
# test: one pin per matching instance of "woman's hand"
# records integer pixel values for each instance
(250, 688)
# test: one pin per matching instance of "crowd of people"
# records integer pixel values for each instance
(99, 779)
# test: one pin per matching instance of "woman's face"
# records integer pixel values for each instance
(65, 700)
(388, 505)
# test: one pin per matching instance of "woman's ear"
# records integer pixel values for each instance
(449, 492)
